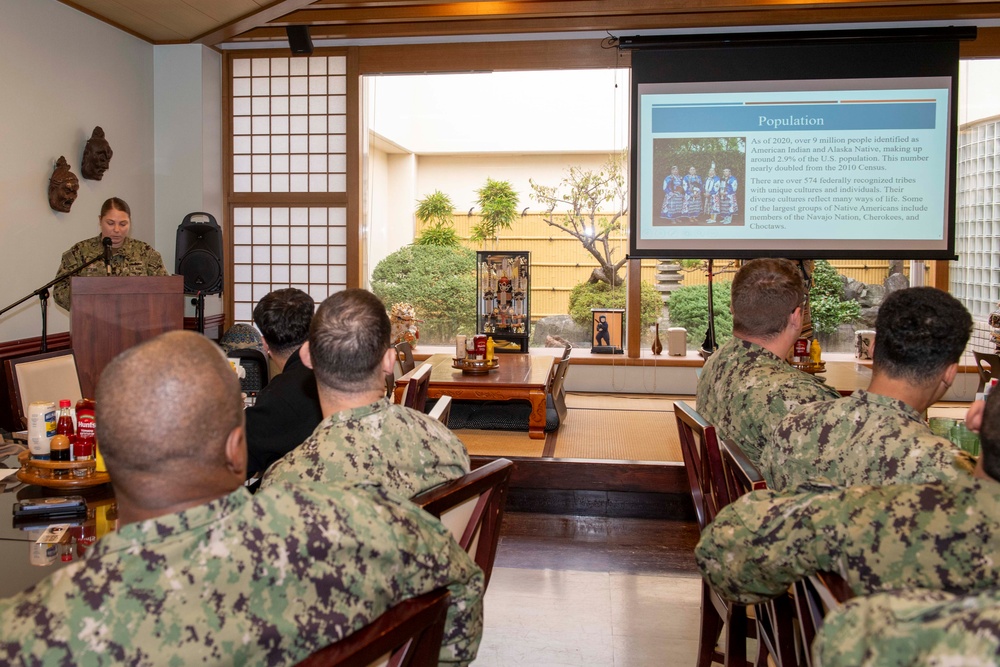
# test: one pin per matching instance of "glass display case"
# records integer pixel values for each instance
(504, 298)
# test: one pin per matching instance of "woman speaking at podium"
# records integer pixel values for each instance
(129, 257)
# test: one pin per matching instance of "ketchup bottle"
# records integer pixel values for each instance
(86, 430)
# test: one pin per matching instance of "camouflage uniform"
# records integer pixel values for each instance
(134, 258)
(744, 390)
(941, 536)
(404, 450)
(916, 627)
(860, 440)
(245, 580)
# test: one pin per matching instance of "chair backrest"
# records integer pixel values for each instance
(988, 365)
(404, 353)
(415, 394)
(557, 390)
(254, 362)
(775, 627)
(471, 507)
(566, 350)
(815, 596)
(407, 635)
(702, 462)
(441, 410)
(741, 475)
(49, 376)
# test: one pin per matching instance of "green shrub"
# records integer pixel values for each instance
(585, 296)
(826, 304)
(439, 282)
(688, 307)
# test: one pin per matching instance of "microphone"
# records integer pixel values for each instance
(107, 253)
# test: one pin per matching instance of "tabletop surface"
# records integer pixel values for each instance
(514, 370)
(17, 541)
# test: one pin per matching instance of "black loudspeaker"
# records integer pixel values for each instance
(299, 40)
(199, 254)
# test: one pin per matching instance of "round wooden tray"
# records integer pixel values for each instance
(476, 366)
(809, 367)
(44, 473)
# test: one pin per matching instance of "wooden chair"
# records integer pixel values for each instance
(775, 618)
(404, 354)
(407, 635)
(987, 365)
(555, 399)
(49, 376)
(471, 507)
(441, 410)
(815, 596)
(415, 394)
(703, 464)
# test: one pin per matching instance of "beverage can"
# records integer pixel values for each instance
(41, 428)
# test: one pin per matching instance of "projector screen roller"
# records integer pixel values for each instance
(819, 166)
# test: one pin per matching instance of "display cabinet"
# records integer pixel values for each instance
(504, 298)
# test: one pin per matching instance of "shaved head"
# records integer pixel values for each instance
(166, 405)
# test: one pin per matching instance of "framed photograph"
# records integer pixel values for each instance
(608, 335)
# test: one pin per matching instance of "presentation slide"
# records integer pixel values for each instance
(836, 166)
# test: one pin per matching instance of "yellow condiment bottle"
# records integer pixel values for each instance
(98, 459)
(815, 352)
(489, 348)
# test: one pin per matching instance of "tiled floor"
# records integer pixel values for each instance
(619, 602)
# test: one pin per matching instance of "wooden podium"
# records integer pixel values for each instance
(111, 314)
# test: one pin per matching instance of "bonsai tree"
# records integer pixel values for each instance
(435, 215)
(497, 202)
(592, 205)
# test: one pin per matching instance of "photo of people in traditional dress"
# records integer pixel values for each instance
(701, 182)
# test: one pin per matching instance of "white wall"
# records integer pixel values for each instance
(503, 111)
(459, 176)
(160, 108)
(188, 145)
(64, 73)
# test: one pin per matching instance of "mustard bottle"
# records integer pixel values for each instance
(489, 348)
(815, 353)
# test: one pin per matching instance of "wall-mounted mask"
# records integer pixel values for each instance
(96, 156)
(63, 187)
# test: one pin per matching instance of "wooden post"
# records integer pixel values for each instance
(633, 310)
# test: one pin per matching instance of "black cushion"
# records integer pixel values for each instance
(499, 415)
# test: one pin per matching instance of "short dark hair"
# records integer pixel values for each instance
(919, 332)
(765, 292)
(989, 436)
(283, 317)
(347, 340)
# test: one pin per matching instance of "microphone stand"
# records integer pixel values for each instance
(43, 295)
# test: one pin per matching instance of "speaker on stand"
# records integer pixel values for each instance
(199, 259)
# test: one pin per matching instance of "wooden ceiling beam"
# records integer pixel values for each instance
(271, 12)
(763, 16)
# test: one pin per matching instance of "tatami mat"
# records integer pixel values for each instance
(632, 435)
(499, 443)
(629, 428)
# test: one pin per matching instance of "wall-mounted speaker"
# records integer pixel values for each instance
(199, 254)
(299, 40)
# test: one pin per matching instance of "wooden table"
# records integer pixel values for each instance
(519, 376)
